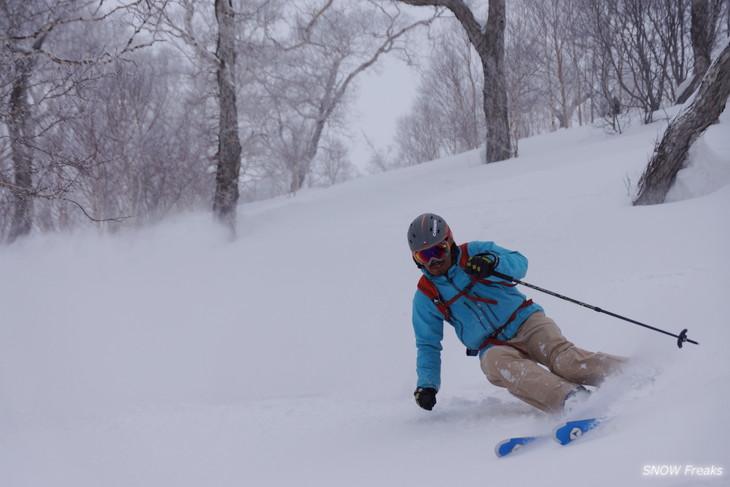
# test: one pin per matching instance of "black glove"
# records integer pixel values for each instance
(481, 265)
(426, 397)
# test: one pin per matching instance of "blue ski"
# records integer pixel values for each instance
(572, 430)
(564, 434)
(511, 445)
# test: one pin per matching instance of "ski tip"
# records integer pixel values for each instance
(501, 449)
(512, 445)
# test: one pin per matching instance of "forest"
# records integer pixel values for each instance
(121, 114)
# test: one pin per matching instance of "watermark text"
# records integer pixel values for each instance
(682, 471)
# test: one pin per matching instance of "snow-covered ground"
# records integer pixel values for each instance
(173, 357)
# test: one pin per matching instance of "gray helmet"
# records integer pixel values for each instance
(427, 230)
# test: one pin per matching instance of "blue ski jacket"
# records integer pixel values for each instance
(498, 303)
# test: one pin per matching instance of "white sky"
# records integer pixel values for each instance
(383, 97)
(387, 93)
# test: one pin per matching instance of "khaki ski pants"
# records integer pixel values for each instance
(539, 341)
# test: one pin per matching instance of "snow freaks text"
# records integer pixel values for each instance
(682, 471)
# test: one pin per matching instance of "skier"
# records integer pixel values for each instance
(510, 333)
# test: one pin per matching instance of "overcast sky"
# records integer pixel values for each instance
(383, 97)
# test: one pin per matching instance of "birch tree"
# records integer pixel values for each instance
(138, 122)
(325, 49)
(40, 65)
(446, 117)
(529, 114)
(552, 23)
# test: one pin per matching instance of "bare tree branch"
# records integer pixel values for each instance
(28, 193)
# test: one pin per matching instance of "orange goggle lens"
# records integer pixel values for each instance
(434, 253)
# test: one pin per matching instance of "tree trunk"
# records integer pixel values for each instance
(22, 159)
(327, 104)
(684, 129)
(702, 32)
(489, 45)
(21, 156)
(499, 143)
(304, 166)
(229, 144)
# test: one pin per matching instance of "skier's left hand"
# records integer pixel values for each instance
(481, 265)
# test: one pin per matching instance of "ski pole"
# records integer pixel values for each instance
(681, 338)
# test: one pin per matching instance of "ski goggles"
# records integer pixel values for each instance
(436, 253)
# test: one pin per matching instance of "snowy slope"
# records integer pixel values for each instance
(173, 357)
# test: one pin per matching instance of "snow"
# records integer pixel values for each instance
(173, 357)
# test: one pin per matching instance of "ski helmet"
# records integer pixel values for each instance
(426, 231)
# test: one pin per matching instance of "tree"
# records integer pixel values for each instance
(683, 130)
(637, 60)
(640, 49)
(213, 36)
(39, 66)
(488, 41)
(445, 118)
(333, 165)
(20, 139)
(229, 144)
(319, 57)
(529, 114)
(138, 122)
(418, 134)
(551, 24)
(705, 16)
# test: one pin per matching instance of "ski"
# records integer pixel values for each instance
(570, 431)
(512, 445)
(564, 433)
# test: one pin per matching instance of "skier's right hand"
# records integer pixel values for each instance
(425, 397)
(481, 265)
